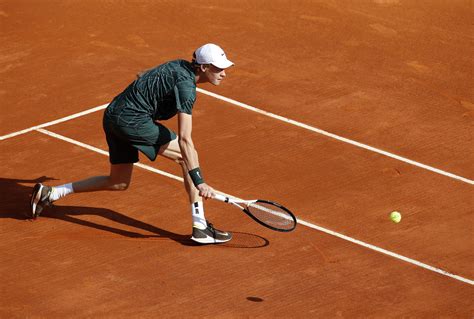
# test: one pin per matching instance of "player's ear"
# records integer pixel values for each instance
(204, 67)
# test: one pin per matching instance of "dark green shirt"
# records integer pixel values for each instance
(161, 92)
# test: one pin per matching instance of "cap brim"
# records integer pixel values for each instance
(223, 64)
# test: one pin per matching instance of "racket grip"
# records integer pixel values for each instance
(221, 198)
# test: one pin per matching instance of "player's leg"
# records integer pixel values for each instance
(172, 151)
(203, 231)
(118, 180)
(122, 155)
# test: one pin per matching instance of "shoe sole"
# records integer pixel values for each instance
(210, 240)
(35, 198)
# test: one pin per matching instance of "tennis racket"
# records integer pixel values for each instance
(266, 213)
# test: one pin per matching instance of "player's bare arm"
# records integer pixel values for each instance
(189, 154)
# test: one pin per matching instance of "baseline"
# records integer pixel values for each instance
(337, 137)
(274, 116)
(63, 119)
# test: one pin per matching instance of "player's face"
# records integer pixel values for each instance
(214, 74)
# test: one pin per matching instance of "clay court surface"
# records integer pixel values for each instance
(395, 76)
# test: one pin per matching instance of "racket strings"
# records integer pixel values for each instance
(271, 215)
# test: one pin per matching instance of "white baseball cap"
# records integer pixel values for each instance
(212, 54)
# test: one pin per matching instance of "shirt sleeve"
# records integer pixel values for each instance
(185, 94)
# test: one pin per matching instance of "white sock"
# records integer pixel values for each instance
(197, 211)
(60, 191)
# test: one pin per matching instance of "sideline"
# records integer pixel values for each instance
(300, 221)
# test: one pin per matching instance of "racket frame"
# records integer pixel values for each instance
(237, 202)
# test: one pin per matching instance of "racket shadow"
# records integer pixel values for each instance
(239, 240)
(246, 240)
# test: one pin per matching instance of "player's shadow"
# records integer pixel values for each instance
(14, 204)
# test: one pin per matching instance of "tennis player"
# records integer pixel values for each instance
(131, 124)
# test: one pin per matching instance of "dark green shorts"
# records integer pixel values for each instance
(127, 134)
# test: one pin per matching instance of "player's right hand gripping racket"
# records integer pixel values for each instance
(267, 213)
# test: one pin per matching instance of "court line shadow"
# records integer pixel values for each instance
(15, 205)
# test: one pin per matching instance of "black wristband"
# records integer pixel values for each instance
(196, 176)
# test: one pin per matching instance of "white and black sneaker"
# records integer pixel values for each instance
(40, 199)
(210, 235)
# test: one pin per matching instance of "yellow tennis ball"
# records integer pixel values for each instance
(395, 216)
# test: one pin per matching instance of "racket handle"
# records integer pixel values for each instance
(221, 198)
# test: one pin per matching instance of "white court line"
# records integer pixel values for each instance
(336, 137)
(274, 116)
(300, 221)
(386, 252)
(98, 150)
(64, 119)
